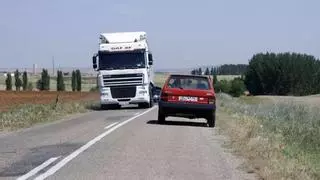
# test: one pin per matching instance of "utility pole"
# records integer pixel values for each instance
(52, 65)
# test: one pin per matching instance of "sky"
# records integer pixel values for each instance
(181, 34)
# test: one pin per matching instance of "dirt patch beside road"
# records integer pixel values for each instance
(11, 99)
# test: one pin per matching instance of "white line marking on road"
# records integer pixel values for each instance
(64, 161)
(107, 127)
(137, 113)
(39, 168)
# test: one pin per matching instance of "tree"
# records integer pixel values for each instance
(44, 83)
(25, 81)
(60, 81)
(9, 82)
(78, 79)
(215, 79)
(199, 71)
(207, 72)
(74, 81)
(18, 82)
(212, 71)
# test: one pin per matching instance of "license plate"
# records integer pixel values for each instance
(123, 103)
(188, 98)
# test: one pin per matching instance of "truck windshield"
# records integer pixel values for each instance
(121, 60)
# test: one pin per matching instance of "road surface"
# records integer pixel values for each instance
(118, 144)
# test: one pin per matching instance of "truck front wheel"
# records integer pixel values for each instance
(151, 103)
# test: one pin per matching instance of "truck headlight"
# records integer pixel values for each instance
(142, 87)
(143, 92)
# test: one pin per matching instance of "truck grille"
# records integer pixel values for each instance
(123, 92)
(122, 80)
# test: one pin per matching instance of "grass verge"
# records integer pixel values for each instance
(25, 116)
(280, 141)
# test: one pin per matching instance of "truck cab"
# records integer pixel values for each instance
(124, 64)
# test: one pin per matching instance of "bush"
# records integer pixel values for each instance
(237, 87)
(30, 86)
(9, 82)
(283, 74)
(94, 89)
(223, 86)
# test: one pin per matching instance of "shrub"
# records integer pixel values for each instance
(30, 86)
(223, 86)
(237, 87)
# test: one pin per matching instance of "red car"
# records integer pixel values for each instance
(188, 96)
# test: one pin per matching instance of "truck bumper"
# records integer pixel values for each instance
(124, 101)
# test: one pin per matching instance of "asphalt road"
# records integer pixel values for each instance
(118, 144)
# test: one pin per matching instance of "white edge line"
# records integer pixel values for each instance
(38, 168)
(107, 127)
(64, 161)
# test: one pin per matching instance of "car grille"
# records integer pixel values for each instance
(122, 80)
(123, 92)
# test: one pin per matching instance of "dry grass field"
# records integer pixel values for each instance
(279, 136)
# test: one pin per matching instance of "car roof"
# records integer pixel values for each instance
(189, 75)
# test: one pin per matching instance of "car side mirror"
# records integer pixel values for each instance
(150, 59)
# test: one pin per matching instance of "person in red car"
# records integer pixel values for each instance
(189, 96)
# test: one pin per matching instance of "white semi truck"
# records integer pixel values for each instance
(125, 69)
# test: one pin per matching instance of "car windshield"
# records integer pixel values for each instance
(189, 82)
(122, 60)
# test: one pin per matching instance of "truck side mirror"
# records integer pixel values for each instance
(150, 59)
(94, 62)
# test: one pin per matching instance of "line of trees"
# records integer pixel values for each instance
(43, 83)
(76, 80)
(270, 74)
(226, 69)
(18, 82)
(283, 74)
